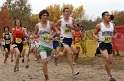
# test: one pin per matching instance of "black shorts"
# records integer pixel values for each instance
(66, 41)
(103, 46)
(7, 46)
(19, 46)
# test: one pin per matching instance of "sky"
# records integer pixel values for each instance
(93, 8)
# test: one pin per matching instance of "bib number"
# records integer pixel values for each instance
(67, 30)
(7, 41)
(107, 39)
(77, 39)
(45, 38)
(18, 40)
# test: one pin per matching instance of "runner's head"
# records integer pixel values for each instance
(78, 27)
(6, 29)
(111, 17)
(43, 15)
(66, 12)
(81, 28)
(106, 16)
(18, 23)
(26, 29)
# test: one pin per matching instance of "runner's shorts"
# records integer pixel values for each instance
(107, 46)
(66, 41)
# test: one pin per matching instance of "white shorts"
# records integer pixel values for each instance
(44, 56)
(33, 46)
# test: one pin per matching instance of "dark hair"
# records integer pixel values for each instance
(82, 26)
(103, 14)
(111, 17)
(78, 25)
(65, 9)
(5, 28)
(42, 12)
(20, 22)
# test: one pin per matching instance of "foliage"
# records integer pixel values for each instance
(19, 9)
(56, 11)
(5, 18)
(34, 19)
(118, 17)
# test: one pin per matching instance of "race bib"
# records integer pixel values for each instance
(57, 38)
(77, 39)
(107, 39)
(7, 41)
(18, 40)
(67, 30)
(45, 38)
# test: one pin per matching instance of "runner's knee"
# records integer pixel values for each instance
(44, 61)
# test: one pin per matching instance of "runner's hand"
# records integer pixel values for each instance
(113, 37)
(96, 38)
(69, 26)
(58, 32)
(51, 38)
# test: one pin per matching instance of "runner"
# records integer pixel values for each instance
(18, 33)
(8, 39)
(113, 41)
(25, 50)
(83, 43)
(43, 30)
(77, 37)
(56, 46)
(106, 32)
(33, 47)
(67, 24)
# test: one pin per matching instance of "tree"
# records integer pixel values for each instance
(120, 18)
(19, 9)
(56, 11)
(34, 19)
(5, 19)
(78, 13)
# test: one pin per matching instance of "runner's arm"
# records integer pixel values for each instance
(36, 35)
(75, 25)
(95, 33)
(11, 37)
(57, 26)
(52, 29)
(114, 33)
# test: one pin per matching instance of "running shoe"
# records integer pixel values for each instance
(23, 60)
(14, 68)
(75, 73)
(12, 60)
(17, 68)
(27, 66)
(111, 78)
(5, 62)
(74, 63)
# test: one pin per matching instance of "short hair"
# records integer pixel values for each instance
(5, 28)
(111, 17)
(65, 9)
(42, 12)
(103, 14)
